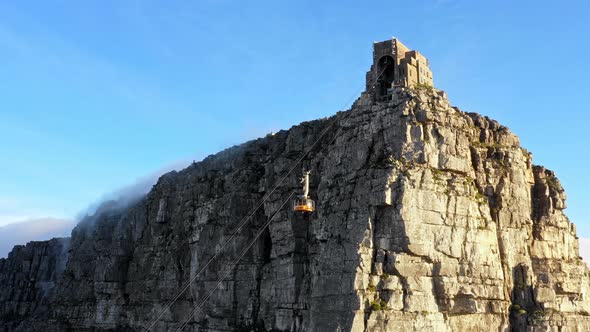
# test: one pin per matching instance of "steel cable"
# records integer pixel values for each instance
(220, 280)
(264, 199)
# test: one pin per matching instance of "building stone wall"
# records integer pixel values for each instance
(394, 64)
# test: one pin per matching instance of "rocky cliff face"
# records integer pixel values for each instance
(428, 219)
(28, 278)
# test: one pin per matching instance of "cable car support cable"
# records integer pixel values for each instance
(222, 278)
(264, 199)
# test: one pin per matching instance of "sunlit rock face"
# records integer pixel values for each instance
(427, 219)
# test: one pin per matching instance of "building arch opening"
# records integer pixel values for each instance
(386, 64)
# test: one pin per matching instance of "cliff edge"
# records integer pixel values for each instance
(428, 218)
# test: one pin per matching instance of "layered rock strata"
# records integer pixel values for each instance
(28, 278)
(428, 219)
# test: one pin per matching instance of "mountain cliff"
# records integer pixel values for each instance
(428, 219)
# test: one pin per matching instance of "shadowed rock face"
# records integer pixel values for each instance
(428, 219)
(28, 278)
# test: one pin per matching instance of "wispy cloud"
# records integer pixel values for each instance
(52, 52)
(41, 229)
(46, 51)
(585, 249)
(141, 186)
(16, 209)
(8, 202)
(18, 230)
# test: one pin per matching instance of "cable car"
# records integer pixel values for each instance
(303, 203)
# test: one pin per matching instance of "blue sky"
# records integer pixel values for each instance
(97, 95)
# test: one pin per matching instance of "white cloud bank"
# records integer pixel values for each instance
(585, 249)
(32, 230)
(135, 190)
(41, 229)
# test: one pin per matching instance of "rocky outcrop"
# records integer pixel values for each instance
(428, 219)
(28, 278)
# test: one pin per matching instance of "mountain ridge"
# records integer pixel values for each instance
(427, 216)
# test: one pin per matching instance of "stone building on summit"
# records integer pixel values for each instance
(398, 66)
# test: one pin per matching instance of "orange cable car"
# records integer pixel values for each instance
(303, 203)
